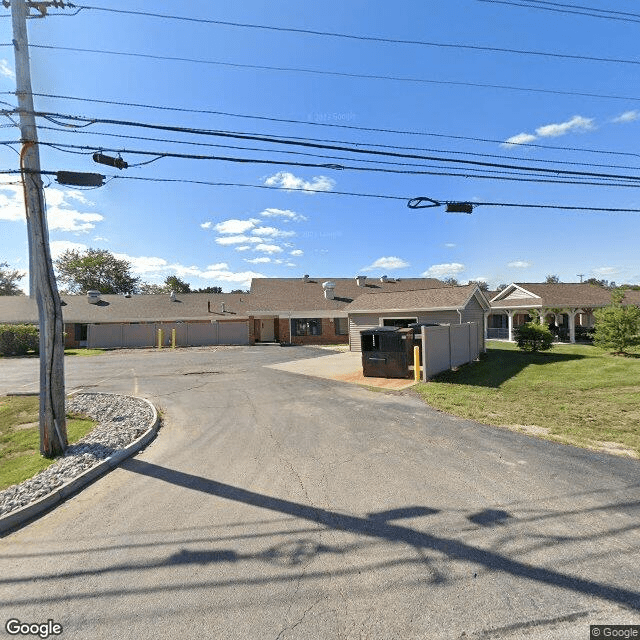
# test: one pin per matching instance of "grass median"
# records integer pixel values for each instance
(20, 457)
(576, 394)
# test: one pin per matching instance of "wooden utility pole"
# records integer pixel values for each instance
(53, 430)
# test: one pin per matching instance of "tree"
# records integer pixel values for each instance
(502, 286)
(97, 270)
(552, 279)
(533, 337)
(174, 283)
(9, 281)
(617, 326)
(233, 290)
(601, 283)
(481, 284)
(450, 281)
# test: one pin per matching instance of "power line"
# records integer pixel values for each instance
(376, 152)
(227, 146)
(572, 9)
(524, 52)
(340, 193)
(325, 124)
(362, 76)
(349, 36)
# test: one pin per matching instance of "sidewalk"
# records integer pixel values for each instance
(346, 367)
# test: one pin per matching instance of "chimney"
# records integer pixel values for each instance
(360, 280)
(329, 289)
(93, 297)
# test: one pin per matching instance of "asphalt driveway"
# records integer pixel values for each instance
(277, 505)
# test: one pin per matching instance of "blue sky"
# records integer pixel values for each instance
(224, 235)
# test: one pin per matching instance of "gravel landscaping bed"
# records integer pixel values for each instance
(121, 420)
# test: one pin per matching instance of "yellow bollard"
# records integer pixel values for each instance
(416, 364)
(173, 338)
(160, 336)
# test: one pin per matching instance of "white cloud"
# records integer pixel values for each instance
(521, 138)
(235, 226)
(606, 271)
(268, 248)
(259, 260)
(287, 214)
(241, 239)
(450, 245)
(297, 252)
(11, 203)
(6, 70)
(272, 232)
(627, 116)
(442, 270)
(519, 264)
(61, 214)
(58, 247)
(100, 239)
(286, 180)
(244, 247)
(577, 123)
(206, 225)
(290, 264)
(390, 262)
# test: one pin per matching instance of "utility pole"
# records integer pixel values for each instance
(53, 430)
(581, 275)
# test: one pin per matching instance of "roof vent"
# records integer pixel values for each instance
(93, 297)
(329, 289)
(384, 279)
(172, 296)
(126, 295)
(360, 280)
(305, 277)
(222, 307)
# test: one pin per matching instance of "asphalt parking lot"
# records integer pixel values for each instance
(281, 505)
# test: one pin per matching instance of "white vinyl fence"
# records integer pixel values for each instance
(447, 346)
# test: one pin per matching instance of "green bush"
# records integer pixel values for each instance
(533, 337)
(18, 339)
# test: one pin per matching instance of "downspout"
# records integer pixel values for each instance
(459, 314)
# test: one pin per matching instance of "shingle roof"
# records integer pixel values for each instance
(414, 300)
(578, 295)
(297, 295)
(137, 308)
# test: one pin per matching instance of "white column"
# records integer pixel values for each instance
(486, 325)
(572, 326)
(510, 319)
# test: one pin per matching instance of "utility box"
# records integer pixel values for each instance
(387, 352)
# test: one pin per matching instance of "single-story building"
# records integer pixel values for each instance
(441, 305)
(121, 321)
(311, 310)
(567, 307)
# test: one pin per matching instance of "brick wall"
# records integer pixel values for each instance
(328, 334)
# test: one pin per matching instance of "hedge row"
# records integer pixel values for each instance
(19, 339)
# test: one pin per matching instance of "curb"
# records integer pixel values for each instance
(28, 512)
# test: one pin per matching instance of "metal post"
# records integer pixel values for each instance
(416, 363)
(42, 283)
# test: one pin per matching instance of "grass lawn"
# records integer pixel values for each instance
(67, 352)
(20, 438)
(576, 394)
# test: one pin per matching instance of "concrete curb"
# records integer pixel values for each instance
(20, 516)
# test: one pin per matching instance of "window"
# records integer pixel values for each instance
(401, 323)
(80, 332)
(342, 326)
(306, 326)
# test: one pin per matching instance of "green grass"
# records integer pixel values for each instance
(20, 439)
(83, 352)
(576, 394)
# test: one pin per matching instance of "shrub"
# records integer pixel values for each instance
(533, 337)
(617, 326)
(18, 339)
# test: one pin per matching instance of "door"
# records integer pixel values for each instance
(267, 333)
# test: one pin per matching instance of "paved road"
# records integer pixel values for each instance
(280, 506)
